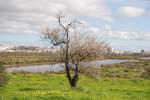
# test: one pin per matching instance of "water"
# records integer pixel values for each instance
(60, 67)
(104, 62)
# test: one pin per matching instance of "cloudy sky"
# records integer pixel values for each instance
(125, 24)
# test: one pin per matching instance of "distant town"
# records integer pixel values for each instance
(27, 49)
(39, 49)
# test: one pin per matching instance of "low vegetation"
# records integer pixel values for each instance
(128, 70)
(3, 77)
(132, 56)
(55, 87)
(125, 81)
(11, 59)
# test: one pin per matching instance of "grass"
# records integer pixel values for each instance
(48, 86)
(133, 56)
(125, 81)
(11, 59)
(3, 77)
(128, 70)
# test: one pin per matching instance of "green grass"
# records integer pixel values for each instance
(125, 81)
(128, 70)
(46, 86)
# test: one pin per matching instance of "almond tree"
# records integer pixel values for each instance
(76, 46)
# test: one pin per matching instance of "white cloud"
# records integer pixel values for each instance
(131, 11)
(29, 15)
(108, 27)
(128, 35)
(108, 33)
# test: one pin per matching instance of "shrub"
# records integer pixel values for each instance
(93, 72)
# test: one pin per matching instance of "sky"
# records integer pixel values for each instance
(124, 24)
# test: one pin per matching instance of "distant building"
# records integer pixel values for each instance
(4, 47)
(117, 52)
(27, 49)
(120, 52)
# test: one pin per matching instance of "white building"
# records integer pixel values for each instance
(4, 47)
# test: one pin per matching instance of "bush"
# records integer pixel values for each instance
(2, 75)
(93, 72)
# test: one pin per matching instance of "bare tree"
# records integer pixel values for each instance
(76, 46)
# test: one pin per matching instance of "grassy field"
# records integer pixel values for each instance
(27, 86)
(126, 81)
(11, 59)
(133, 56)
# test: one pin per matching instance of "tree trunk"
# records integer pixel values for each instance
(72, 80)
(75, 77)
